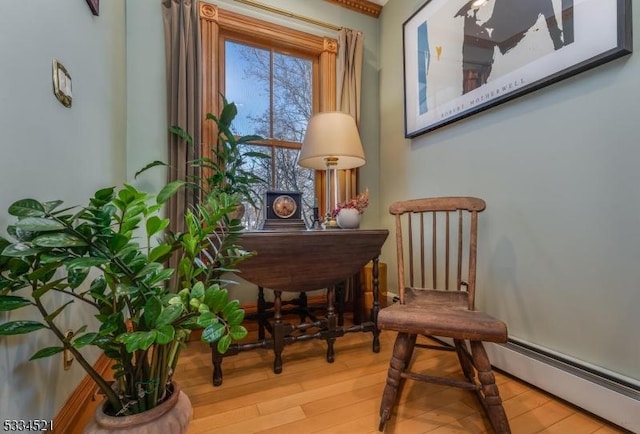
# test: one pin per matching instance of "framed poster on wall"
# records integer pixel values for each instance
(464, 56)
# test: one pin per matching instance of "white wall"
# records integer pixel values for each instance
(558, 250)
(51, 152)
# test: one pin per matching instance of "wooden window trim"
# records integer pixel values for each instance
(214, 20)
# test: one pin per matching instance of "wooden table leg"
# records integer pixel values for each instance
(332, 324)
(376, 305)
(262, 313)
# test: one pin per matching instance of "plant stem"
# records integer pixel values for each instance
(105, 387)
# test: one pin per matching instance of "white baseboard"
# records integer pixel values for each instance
(612, 402)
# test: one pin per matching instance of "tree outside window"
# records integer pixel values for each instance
(273, 91)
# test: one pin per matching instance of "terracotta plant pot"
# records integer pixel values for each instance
(172, 416)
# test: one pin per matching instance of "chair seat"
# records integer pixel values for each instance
(451, 321)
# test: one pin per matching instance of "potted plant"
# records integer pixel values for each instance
(93, 256)
(226, 172)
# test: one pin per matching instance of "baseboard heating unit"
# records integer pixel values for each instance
(604, 394)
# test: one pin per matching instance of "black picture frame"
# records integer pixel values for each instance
(94, 5)
(461, 59)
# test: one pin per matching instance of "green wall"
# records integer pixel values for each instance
(558, 247)
(51, 152)
(116, 126)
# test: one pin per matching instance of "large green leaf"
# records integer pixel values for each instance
(160, 277)
(169, 190)
(237, 332)
(85, 262)
(228, 114)
(39, 224)
(169, 314)
(150, 268)
(20, 327)
(12, 302)
(230, 308)
(165, 334)
(251, 138)
(235, 317)
(197, 291)
(58, 240)
(205, 319)
(130, 223)
(26, 208)
(134, 210)
(213, 332)
(138, 340)
(216, 298)
(155, 224)
(46, 352)
(159, 252)
(223, 344)
(147, 339)
(104, 195)
(52, 205)
(84, 340)
(76, 277)
(20, 250)
(149, 166)
(182, 134)
(117, 242)
(152, 310)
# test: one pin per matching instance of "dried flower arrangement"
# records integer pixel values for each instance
(360, 202)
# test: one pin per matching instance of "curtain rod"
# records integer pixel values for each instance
(288, 14)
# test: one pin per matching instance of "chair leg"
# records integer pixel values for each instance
(489, 395)
(400, 359)
(463, 358)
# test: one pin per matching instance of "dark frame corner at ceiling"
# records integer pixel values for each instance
(462, 57)
(94, 5)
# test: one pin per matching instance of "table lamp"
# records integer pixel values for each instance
(330, 143)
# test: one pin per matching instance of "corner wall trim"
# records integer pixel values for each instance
(76, 405)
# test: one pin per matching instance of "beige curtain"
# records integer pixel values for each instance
(349, 76)
(349, 83)
(182, 50)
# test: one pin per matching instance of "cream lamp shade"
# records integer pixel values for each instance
(331, 136)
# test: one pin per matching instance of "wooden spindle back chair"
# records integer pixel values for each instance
(436, 243)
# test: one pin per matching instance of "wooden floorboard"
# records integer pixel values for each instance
(313, 396)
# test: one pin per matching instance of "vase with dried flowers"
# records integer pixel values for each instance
(348, 213)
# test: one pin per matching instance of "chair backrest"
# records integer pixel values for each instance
(436, 242)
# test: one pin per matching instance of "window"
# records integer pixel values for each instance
(278, 77)
(273, 91)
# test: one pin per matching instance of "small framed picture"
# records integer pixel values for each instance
(62, 84)
(94, 5)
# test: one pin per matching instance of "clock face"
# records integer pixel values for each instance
(284, 206)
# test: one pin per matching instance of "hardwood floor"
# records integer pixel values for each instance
(313, 396)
